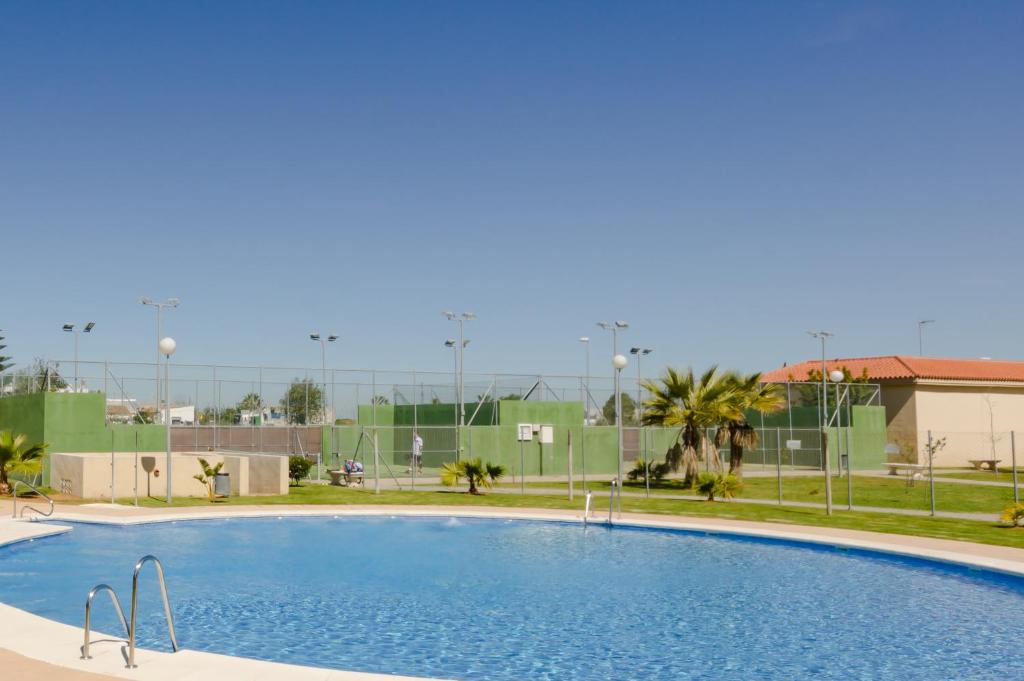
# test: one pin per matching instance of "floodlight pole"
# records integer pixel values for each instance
(614, 328)
(823, 336)
(461, 318)
(619, 363)
(170, 302)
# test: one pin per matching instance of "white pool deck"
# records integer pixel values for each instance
(43, 649)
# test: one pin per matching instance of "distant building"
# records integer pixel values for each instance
(973, 403)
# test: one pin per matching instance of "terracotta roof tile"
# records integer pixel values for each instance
(908, 367)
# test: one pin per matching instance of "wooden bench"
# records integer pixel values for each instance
(982, 464)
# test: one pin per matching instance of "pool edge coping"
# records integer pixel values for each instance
(217, 665)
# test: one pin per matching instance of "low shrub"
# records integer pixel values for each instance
(298, 467)
(1013, 515)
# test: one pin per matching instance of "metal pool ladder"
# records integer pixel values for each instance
(14, 495)
(130, 628)
(586, 508)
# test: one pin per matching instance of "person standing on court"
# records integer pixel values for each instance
(417, 453)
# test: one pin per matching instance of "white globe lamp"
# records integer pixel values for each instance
(167, 346)
(836, 376)
(619, 362)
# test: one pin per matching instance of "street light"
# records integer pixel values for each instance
(614, 327)
(920, 335)
(586, 399)
(639, 352)
(461, 318)
(619, 362)
(170, 302)
(824, 336)
(70, 328)
(323, 369)
(166, 347)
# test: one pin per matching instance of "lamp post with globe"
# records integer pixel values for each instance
(619, 362)
(167, 347)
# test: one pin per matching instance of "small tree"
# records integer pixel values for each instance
(475, 471)
(303, 402)
(18, 456)
(298, 468)
(5, 360)
(721, 485)
(628, 410)
(209, 476)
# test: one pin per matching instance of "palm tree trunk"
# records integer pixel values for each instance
(736, 459)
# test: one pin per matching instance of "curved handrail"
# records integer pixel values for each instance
(14, 495)
(586, 508)
(88, 615)
(135, 602)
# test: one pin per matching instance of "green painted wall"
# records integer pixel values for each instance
(74, 422)
(512, 412)
(24, 414)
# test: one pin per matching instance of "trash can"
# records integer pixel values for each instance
(222, 485)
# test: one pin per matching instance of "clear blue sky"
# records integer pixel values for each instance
(722, 175)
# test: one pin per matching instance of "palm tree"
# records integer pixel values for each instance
(748, 394)
(693, 405)
(476, 472)
(17, 456)
(251, 402)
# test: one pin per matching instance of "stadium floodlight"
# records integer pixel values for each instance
(461, 318)
(70, 328)
(323, 374)
(586, 380)
(639, 352)
(170, 302)
(614, 328)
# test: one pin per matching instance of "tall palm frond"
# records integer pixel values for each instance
(749, 393)
(17, 456)
(692, 404)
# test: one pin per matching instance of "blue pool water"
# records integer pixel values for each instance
(492, 599)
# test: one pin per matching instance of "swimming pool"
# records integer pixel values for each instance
(495, 599)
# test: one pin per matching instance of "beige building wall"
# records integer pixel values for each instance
(974, 419)
(89, 475)
(901, 419)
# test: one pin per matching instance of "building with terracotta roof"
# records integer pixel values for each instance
(974, 404)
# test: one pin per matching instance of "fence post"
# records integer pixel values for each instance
(376, 464)
(1013, 465)
(827, 466)
(931, 476)
(570, 463)
(849, 470)
(778, 460)
(112, 480)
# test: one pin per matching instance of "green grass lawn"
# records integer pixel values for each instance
(965, 530)
(867, 491)
(1004, 475)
